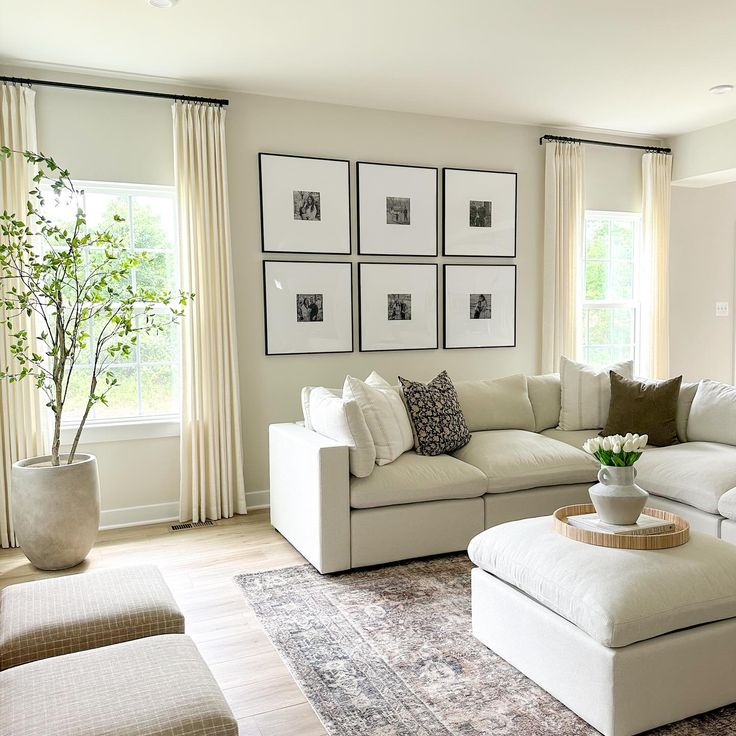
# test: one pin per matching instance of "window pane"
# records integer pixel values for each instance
(596, 280)
(599, 327)
(123, 398)
(153, 222)
(596, 238)
(622, 239)
(78, 393)
(159, 389)
(157, 272)
(622, 281)
(101, 209)
(162, 347)
(623, 323)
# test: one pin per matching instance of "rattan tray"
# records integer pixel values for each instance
(621, 541)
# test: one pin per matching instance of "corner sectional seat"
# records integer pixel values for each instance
(518, 464)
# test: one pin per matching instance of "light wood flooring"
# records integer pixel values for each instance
(199, 565)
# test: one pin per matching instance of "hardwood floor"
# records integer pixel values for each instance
(199, 565)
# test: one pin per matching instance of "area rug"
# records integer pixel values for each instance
(389, 652)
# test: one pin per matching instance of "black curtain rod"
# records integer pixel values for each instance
(115, 90)
(566, 139)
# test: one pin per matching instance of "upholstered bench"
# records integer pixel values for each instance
(47, 618)
(148, 687)
(629, 640)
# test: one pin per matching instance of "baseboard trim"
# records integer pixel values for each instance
(159, 513)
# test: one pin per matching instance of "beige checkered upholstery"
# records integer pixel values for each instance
(158, 686)
(67, 614)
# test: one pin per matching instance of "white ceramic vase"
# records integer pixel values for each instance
(56, 509)
(617, 499)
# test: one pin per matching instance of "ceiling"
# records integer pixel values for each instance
(628, 65)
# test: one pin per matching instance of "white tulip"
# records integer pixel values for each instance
(595, 444)
(606, 444)
(629, 446)
(643, 441)
(628, 438)
(616, 448)
(586, 447)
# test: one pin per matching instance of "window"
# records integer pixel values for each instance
(149, 378)
(610, 308)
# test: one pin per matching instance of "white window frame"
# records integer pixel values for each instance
(138, 427)
(634, 303)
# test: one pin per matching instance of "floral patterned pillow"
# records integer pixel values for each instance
(434, 409)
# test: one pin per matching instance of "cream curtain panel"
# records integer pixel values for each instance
(564, 222)
(22, 431)
(212, 485)
(655, 337)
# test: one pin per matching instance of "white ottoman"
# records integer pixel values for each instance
(629, 640)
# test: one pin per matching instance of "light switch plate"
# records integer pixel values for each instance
(721, 309)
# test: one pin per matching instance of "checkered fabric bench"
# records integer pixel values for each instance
(47, 618)
(158, 686)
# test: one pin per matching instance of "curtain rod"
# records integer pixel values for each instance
(115, 90)
(566, 139)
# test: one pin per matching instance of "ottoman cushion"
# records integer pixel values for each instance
(615, 596)
(67, 614)
(154, 686)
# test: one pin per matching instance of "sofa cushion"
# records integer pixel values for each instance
(684, 403)
(727, 504)
(158, 686)
(414, 478)
(48, 618)
(617, 597)
(343, 421)
(695, 473)
(513, 460)
(385, 415)
(575, 437)
(586, 393)
(713, 413)
(500, 404)
(545, 395)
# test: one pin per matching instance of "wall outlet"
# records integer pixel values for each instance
(721, 309)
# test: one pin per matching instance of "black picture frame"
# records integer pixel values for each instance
(361, 251)
(445, 268)
(444, 212)
(267, 261)
(369, 264)
(267, 250)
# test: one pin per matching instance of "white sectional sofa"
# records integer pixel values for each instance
(517, 465)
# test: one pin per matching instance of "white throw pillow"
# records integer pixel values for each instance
(343, 421)
(306, 393)
(713, 414)
(385, 415)
(586, 393)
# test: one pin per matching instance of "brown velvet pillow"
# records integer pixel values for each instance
(644, 407)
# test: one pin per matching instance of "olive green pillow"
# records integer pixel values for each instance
(644, 407)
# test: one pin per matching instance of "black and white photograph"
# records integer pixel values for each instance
(479, 213)
(479, 209)
(480, 306)
(397, 304)
(397, 209)
(308, 307)
(305, 204)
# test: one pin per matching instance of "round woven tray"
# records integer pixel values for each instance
(622, 541)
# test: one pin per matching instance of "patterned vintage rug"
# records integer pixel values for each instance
(389, 652)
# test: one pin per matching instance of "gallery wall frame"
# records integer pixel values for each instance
(397, 206)
(308, 307)
(479, 213)
(294, 194)
(479, 305)
(392, 294)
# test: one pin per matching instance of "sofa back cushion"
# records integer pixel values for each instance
(546, 400)
(500, 404)
(343, 421)
(586, 393)
(684, 402)
(713, 414)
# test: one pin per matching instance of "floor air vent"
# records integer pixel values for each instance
(190, 525)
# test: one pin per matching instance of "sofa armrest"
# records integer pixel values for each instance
(310, 494)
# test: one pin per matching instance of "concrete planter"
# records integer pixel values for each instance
(56, 510)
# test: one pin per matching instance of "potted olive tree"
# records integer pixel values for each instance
(75, 284)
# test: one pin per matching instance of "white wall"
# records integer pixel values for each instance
(705, 157)
(702, 247)
(128, 139)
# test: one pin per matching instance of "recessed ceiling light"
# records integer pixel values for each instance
(721, 89)
(162, 3)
